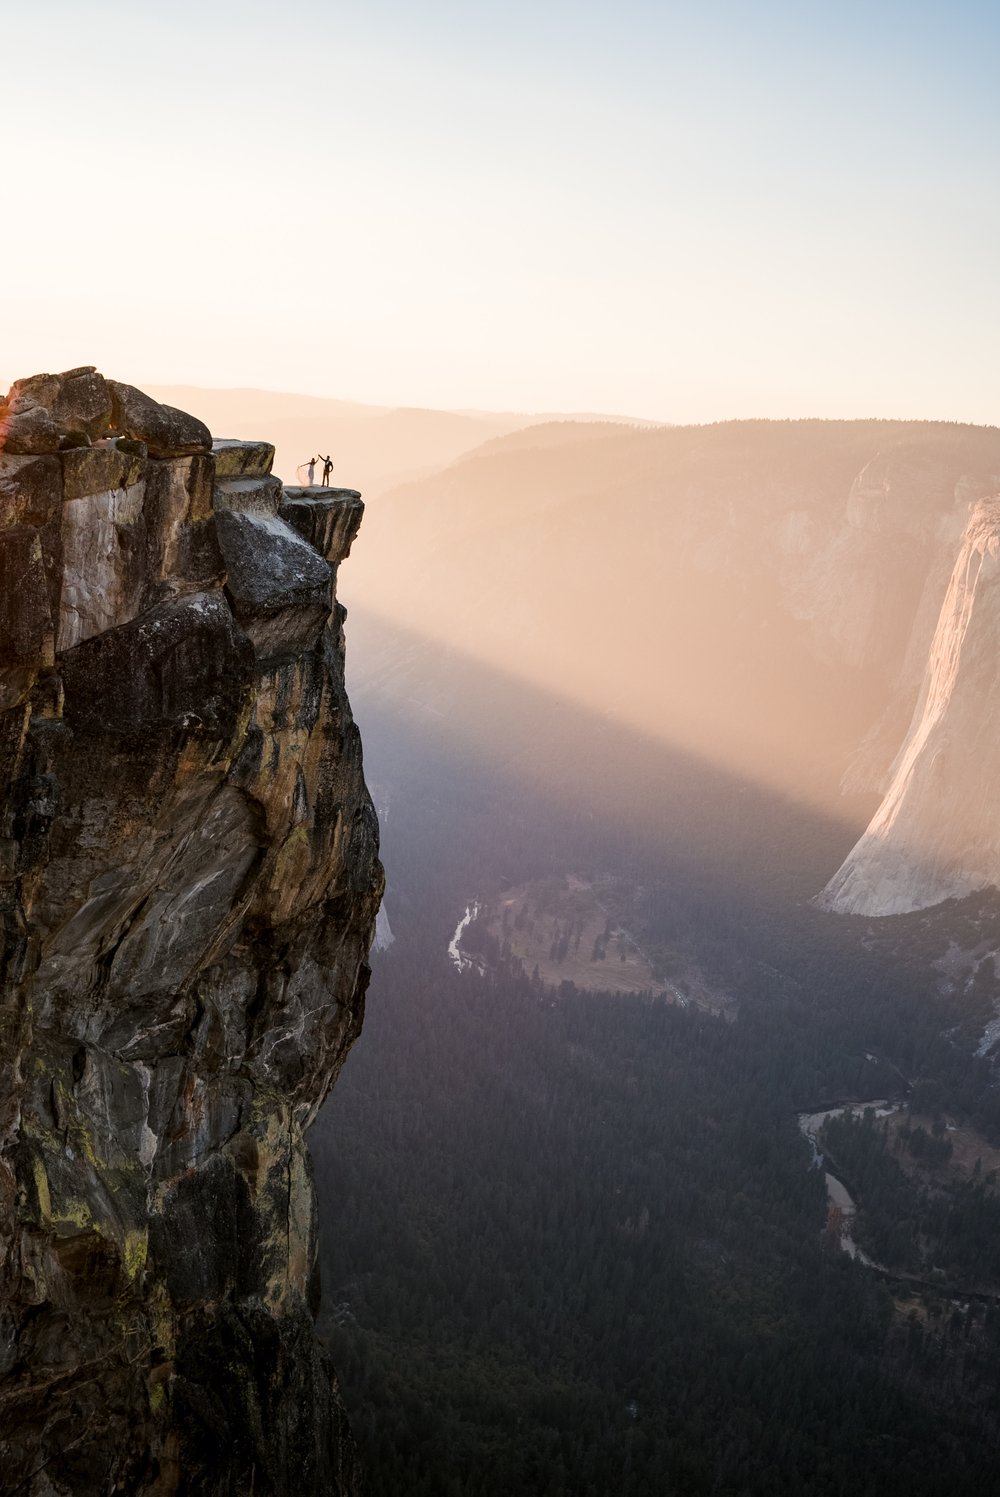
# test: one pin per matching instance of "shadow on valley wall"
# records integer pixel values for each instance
(441, 725)
(793, 602)
(484, 783)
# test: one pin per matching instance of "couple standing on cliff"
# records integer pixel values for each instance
(327, 469)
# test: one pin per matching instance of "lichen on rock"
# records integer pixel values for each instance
(189, 880)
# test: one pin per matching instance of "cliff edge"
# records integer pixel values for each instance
(189, 880)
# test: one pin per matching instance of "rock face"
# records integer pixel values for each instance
(189, 881)
(936, 834)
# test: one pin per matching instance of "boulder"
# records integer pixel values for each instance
(83, 403)
(37, 391)
(166, 431)
(30, 429)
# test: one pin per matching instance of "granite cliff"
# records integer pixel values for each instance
(189, 880)
(936, 833)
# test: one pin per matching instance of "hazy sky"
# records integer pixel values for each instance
(682, 211)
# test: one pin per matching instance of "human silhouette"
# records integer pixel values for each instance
(312, 471)
(327, 470)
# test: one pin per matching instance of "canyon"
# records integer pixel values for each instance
(189, 870)
(806, 605)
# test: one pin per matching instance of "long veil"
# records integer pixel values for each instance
(302, 474)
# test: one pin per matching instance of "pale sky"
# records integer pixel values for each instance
(678, 211)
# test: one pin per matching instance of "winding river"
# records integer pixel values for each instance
(462, 962)
(837, 1193)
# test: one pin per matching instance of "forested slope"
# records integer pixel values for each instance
(574, 1243)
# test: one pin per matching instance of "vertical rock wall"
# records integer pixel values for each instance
(189, 880)
(936, 835)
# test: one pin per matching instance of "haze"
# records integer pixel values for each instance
(675, 212)
(660, 340)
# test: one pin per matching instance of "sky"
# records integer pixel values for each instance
(675, 211)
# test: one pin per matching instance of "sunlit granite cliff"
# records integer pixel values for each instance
(937, 832)
(189, 880)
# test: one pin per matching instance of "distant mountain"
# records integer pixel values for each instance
(372, 446)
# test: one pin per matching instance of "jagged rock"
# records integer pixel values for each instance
(166, 431)
(188, 888)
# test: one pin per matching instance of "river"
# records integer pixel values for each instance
(462, 962)
(837, 1193)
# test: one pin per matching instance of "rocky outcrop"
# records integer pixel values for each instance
(936, 834)
(189, 881)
